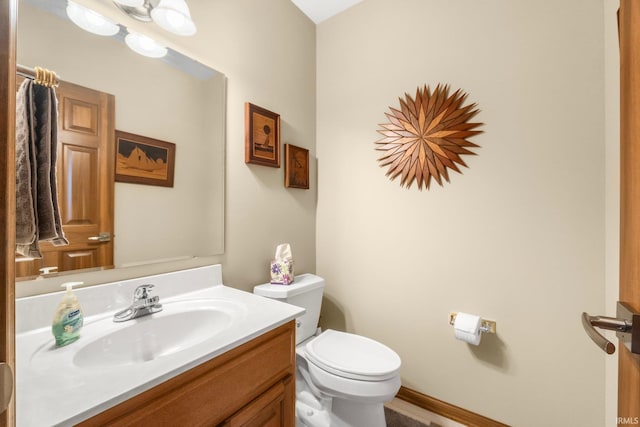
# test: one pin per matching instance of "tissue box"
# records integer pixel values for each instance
(282, 272)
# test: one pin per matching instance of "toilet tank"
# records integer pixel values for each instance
(306, 292)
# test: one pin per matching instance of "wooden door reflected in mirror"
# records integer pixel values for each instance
(85, 182)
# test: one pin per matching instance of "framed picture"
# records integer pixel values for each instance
(262, 136)
(296, 167)
(143, 160)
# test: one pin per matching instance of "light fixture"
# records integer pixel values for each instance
(91, 21)
(171, 15)
(144, 45)
(174, 16)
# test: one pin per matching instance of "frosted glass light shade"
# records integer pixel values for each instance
(144, 45)
(130, 3)
(174, 16)
(91, 21)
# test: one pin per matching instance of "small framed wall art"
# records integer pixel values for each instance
(296, 167)
(142, 160)
(262, 136)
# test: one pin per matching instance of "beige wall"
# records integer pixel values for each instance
(518, 238)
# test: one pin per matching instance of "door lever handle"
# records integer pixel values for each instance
(626, 325)
(590, 323)
(100, 238)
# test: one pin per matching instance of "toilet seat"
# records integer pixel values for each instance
(353, 356)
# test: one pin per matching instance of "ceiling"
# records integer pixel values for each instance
(319, 10)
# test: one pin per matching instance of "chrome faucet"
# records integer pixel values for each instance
(143, 304)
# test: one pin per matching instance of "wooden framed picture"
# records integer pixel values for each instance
(262, 136)
(296, 167)
(142, 160)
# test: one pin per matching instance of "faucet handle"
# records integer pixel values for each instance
(142, 292)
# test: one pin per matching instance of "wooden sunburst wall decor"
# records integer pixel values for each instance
(427, 135)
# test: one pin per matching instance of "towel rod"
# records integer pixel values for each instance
(31, 73)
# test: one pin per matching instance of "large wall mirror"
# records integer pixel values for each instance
(174, 102)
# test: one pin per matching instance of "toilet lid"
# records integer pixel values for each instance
(353, 356)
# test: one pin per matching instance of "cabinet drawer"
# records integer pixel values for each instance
(266, 411)
(212, 392)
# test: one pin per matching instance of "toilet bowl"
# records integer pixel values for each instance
(342, 379)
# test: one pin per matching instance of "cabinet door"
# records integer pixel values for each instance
(265, 411)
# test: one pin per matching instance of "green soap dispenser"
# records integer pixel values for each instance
(68, 319)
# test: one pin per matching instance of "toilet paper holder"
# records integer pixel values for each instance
(486, 326)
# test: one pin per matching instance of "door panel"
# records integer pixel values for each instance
(79, 116)
(629, 364)
(75, 260)
(78, 204)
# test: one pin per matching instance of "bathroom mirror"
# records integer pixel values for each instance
(178, 102)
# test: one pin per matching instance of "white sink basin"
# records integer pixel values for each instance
(149, 337)
(179, 326)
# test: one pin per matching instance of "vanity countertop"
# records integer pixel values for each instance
(53, 388)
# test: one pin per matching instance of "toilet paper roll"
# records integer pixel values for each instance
(467, 328)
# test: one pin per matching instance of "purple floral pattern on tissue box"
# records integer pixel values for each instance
(282, 272)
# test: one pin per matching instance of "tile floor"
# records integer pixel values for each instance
(397, 419)
(404, 414)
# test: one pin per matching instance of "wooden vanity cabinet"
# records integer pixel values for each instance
(251, 385)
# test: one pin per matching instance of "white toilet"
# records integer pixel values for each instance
(342, 379)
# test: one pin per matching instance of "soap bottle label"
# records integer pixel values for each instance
(68, 330)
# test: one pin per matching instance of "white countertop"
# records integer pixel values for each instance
(52, 390)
